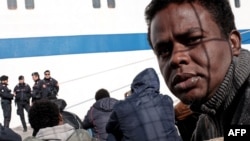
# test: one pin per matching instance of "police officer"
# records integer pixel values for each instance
(52, 86)
(38, 89)
(23, 93)
(7, 98)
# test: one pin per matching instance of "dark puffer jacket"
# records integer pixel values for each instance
(146, 115)
(98, 116)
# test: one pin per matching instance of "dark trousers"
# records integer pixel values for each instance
(21, 106)
(6, 106)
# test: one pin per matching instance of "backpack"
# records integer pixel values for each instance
(68, 117)
(72, 119)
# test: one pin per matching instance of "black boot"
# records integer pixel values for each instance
(24, 124)
(6, 123)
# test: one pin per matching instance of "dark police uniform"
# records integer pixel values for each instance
(23, 94)
(52, 88)
(6, 99)
(38, 91)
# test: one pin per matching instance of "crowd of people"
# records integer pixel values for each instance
(200, 58)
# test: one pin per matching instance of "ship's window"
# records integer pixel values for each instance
(12, 4)
(111, 3)
(237, 3)
(96, 3)
(29, 4)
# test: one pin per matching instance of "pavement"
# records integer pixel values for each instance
(19, 130)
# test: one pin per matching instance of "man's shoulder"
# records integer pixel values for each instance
(41, 81)
(18, 85)
(120, 102)
(121, 105)
(31, 138)
(81, 134)
(1, 86)
(165, 97)
(27, 85)
(8, 134)
(53, 79)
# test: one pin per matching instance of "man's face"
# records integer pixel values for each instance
(6, 82)
(21, 81)
(192, 54)
(47, 75)
(34, 77)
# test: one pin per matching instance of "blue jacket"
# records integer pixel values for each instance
(146, 115)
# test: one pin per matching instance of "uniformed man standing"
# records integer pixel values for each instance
(23, 93)
(52, 86)
(6, 97)
(38, 89)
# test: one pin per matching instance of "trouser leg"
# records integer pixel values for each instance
(20, 109)
(27, 108)
(6, 106)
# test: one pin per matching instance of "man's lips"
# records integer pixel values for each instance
(185, 81)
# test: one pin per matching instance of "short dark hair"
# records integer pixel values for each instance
(101, 93)
(35, 74)
(4, 77)
(46, 71)
(21, 77)
(42, 114)
(220, 11)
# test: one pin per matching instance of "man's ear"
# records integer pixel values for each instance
(235, 42)
(61, 119)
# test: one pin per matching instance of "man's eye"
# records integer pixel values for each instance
(163, 49)
(193, 40)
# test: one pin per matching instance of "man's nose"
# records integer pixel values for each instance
(180, 55)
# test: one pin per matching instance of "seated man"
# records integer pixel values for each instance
(99, 113)
(47, 123)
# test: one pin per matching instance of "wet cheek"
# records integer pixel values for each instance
(161, 65)
(164, 70)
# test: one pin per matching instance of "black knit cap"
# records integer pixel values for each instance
(4, 77)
